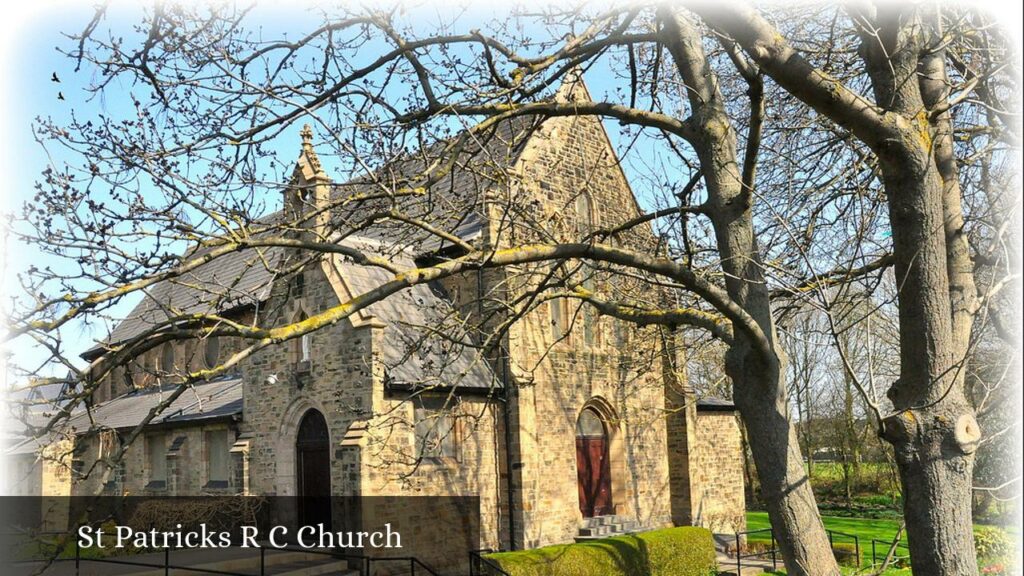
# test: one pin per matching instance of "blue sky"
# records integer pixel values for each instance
(30, 58)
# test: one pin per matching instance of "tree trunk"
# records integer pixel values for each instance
(750, 496)
(754, 363)
(785, 487)
(934, 432)
(809, 444)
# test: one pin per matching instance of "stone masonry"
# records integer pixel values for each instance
(513, 446)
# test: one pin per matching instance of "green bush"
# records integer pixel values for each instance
(846, 554)
(991, 542)
(683, 551)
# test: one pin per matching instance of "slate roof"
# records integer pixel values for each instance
(212, 400)
(29, 446)
(712, 404)
(412, 355)
(453, 204)
(237, 279)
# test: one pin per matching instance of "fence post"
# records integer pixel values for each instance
(739, 563)
(856, 548)
(78, 556)
(263, 561)
(775, 565)
(873, 560)
(167, 562)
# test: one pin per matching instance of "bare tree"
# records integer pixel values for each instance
(746, 212)
(919, 67)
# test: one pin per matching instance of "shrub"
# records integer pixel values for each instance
(990, 542)
(846, 554)
(683, 551)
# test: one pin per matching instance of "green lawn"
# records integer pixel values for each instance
(864, 528)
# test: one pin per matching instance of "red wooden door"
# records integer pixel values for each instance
(593, 468)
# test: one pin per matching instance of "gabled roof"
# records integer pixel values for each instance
(216, 399)
(424, 342)
(453, 204)
(231, 281)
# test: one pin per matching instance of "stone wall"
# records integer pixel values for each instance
(616, 367)
(187, 465)
(716, 469)
(276, 395)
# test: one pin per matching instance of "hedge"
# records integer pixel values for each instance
(846, 554)
(683, 551)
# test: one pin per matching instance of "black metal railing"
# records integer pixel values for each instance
(413, 562)
(740, 556)
(365, 563)
(773, 550)
(166, 564)
(832, 534)
(884, 549)
(480, 565)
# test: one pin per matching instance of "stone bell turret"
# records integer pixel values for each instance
(307, 196)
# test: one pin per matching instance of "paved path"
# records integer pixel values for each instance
(751, 566)
(242, 561)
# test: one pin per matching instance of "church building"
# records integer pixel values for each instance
(565, 423)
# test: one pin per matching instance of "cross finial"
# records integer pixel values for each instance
(307, 150)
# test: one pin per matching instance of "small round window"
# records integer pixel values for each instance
(211, 353)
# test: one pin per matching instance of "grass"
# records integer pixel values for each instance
(866, 529)
(855, 571)
(875, 493)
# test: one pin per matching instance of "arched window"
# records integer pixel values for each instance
(584, 214)
(590, 425)
(559, 319)
(302, 347)
(211, 351)
(167, 358)
(591, 332)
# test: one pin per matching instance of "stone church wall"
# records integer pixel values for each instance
(716, 469)
(617, 370)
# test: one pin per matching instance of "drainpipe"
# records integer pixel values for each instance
(506, 397)
(506, 412)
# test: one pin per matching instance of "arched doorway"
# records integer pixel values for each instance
(593, 465)
(313, 470)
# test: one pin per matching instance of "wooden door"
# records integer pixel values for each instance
(593, 467)
(313, 470)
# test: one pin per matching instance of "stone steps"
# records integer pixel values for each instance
(605, 526)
